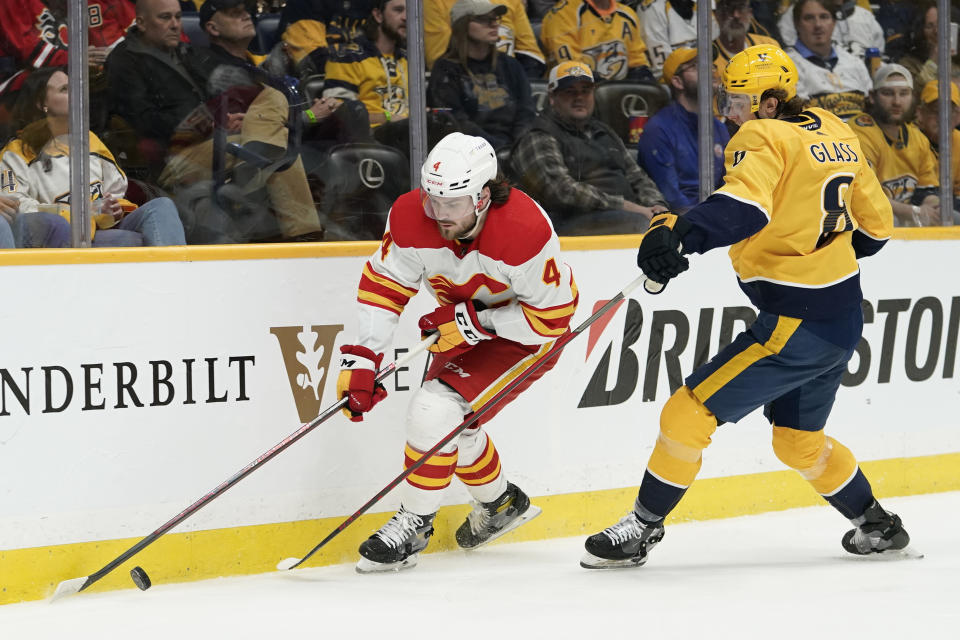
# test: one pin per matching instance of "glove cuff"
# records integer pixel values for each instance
(355, 356)
(465, 315)
(677, 224)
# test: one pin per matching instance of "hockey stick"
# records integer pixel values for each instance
(74, 585)
(561, 342)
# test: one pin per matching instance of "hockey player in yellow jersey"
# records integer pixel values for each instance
(798, 207)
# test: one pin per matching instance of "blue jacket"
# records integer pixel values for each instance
(668, 153)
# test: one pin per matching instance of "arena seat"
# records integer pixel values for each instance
(626, 106)
(312, 86)
(268, 33)
(190, 22)
(361, 181)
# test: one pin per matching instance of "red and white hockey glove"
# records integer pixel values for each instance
(358, 368)
(458, 327)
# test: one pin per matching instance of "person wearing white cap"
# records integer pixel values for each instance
(515, 36)
(488, 92)
(830, 77)
(897, 150)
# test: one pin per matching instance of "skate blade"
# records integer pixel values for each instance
(528, 515)
(369, 566)
(590, 561)
(907, 553)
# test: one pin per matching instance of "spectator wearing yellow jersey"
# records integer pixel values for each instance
(897, 150)
(373, 69)
(603, 34)
(310, 28)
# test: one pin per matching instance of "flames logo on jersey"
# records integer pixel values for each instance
(608, 60)
(448, 292)
(49, 29)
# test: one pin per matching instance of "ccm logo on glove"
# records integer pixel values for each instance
(357, 380)
(458, 326)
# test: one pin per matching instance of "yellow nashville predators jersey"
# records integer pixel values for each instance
(808, 177)
(610, 42)
(516, 34)
(358, 71)
(902, 165)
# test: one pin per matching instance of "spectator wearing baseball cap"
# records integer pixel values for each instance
(897, 150)
(210, 7)
(515, 35)
(578, 168)
(487, 92)
(669, 147)
(929, 123)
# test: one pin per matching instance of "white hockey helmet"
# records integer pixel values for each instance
(459, 165)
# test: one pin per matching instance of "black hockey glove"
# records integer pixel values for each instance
(659, 255)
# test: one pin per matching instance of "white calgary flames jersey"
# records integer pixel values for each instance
(513, 266)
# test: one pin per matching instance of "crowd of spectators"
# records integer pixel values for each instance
(195, 120)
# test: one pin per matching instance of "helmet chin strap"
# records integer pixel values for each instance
(481, 216)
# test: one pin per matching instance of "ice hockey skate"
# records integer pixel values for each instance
(880, 532)
(398, 543)
(625, 544)
(490, 520)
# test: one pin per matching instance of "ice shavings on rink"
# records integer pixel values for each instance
(780, 575)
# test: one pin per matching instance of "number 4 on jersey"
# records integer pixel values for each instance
(551, 274)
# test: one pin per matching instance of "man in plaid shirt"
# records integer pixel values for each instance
(577, 167)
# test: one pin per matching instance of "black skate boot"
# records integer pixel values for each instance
(397, 544)
(878, 531)
(490, 520)
(625, 544)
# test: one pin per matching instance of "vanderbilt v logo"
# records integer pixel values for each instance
(306, 356)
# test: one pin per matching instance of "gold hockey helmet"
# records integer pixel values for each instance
(753, 71)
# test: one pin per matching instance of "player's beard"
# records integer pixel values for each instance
(459, 229)
(690, 90)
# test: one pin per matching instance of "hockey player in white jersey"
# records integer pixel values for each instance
(489, 255)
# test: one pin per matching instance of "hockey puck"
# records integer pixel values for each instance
(140, 578)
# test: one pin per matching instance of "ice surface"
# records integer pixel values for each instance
(773, 576)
